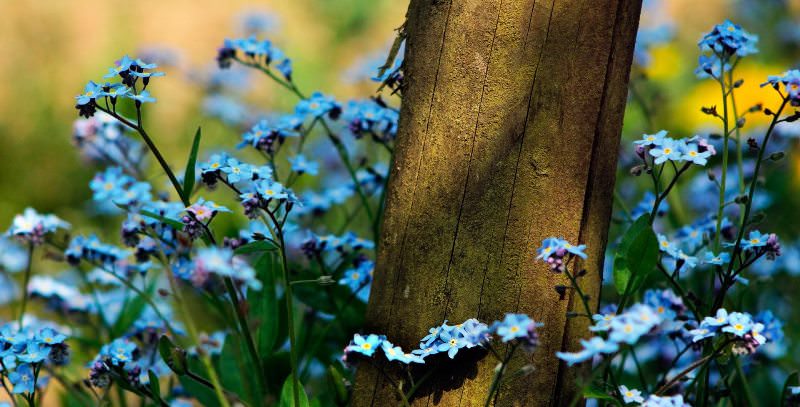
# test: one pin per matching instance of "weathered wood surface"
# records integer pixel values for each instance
(509, 133)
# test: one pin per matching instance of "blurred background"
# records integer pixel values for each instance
(51, 49)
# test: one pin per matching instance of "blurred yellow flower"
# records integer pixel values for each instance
(707, 93)
(664, 60)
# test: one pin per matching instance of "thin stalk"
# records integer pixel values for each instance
(192, 331)
(584, 301)
(26, 280)
(723, 178)
(245, 328)
(289, 308)
(498, 374)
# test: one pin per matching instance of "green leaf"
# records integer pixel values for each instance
(173, 356)
(287, 396)
(188, 174)
(266, 309)
(204, 395)
(256, 246)
(636, 255)
(133, 309)
(230, 362)
(337, 382)
(176, 224)
(792, 380)
(155, 386)
(593, 392)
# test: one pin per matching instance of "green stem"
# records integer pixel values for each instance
(343, 155)
(585, 302)
(289, 308)
(192, 331)
(498, 375)
(723, 178)
(748, 393)
(26, 281)
(245, 328)
(147, 140)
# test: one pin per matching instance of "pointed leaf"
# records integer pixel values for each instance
(636, 255)
(189, 173)
(287, 395)
(155, 386)
(173, 356)
(256, 246)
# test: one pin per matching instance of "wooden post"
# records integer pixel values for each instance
(509, 133)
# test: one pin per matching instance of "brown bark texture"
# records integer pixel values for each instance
(509, 133)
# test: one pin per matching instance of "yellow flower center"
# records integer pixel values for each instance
(514, 329)
(355, 276)
(738, 327)
(667, 151)
(366, 346)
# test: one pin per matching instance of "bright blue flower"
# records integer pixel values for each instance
(693, 155)
(720, 319)
(717, 260)
(141, 97)
(120, 351)
(22, 379)
(318, 105)
(475, 332)
(433, 335)
(630, 395)
(738, 324)
(513, 326)
(755, 239)
(652, 139)
(118, 90)
(30, 225)
(109, 184)
(698, 334)
(548, 248)
(123, 65)
(392, 352)
(90, 92)
(357, 278)
(35, 352)
(791, 82)
(668, 247)
(365, 346)
(237, 171)
(668, 150)
(214, 163)
(452, 341)
(729, 39)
